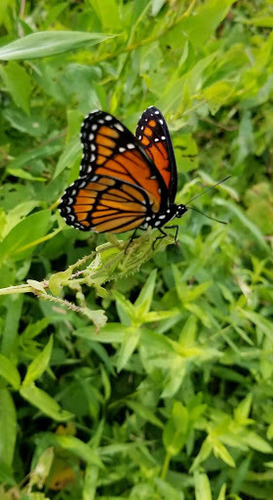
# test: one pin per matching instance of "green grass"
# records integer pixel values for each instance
(145, 375)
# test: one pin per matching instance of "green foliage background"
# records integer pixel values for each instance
(172, 398)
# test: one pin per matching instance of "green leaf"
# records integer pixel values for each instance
(24, 237)
(200, 27)
(42, 151)
(22, 174)
(175, 430)
(186, 152)
(97, 316)
(18, 84)
(217, 95)
(31, 124)
(82, 450)
(203, 454)
(143, 302)
(129, 344)
(257, 319)
(144, 412)
(125, 309)
(261, 21)
(157, 6)
(247, 224)
(9, 371)
(18, 213)
(202, 486)
(151, 317)
(222, 494)
(8, 427)
(242, 410)
(55, 281)
(49, 43)
(220, 451)
(111, 333)
(108, 13)
(257, 443)
(188, 333)
(10, 332)
(167, 491)
(42, 469)
(198, 290)
(69, 155)
(41, 400)
(34, 329)
(39, 364)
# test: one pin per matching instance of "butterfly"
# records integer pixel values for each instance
(126, 182)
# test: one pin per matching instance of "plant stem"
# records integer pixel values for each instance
(16, 289)
(165, 467)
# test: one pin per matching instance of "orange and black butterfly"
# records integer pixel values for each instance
(126, 182)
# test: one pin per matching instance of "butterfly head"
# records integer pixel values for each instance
(180, 210)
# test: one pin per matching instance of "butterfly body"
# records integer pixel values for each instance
(126, 182)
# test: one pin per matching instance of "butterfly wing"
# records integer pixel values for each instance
(119, 186)
(105, 205)
(154, 136)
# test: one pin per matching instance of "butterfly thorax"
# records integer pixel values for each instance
(161, 218)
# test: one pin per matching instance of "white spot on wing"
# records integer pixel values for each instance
(119, 127)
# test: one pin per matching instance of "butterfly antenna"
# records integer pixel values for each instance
(208, 216)
(206, 190)
(201, 194)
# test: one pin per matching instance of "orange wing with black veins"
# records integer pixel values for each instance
(119, 185)
(154, 136)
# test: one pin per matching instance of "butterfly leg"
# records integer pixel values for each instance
(131, 239)
(176, 231)
(165, 234)
(159, 237)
